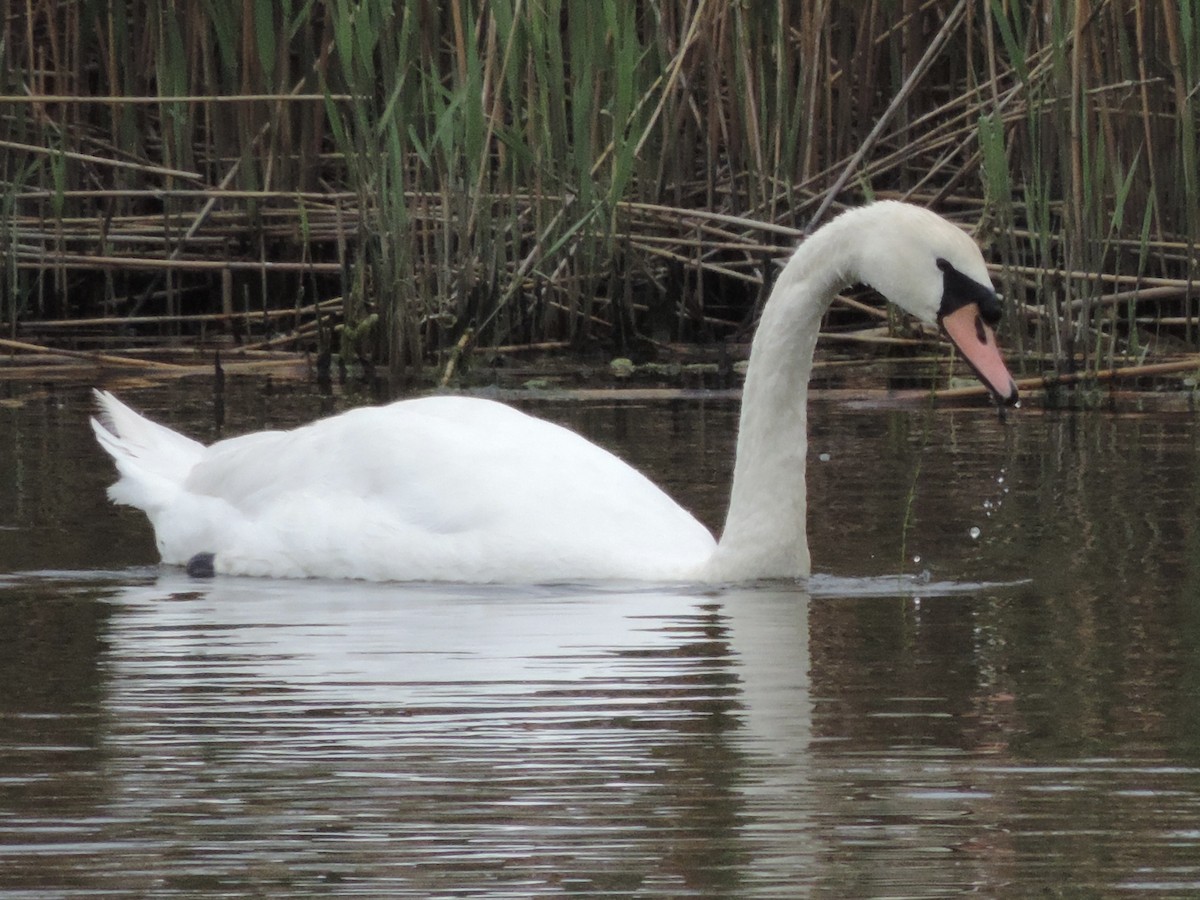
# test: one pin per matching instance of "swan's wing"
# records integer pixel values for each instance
(449, 463)
(475, 476)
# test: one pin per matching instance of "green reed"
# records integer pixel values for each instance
(517, 171)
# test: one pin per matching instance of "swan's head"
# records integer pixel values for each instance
(934, 270)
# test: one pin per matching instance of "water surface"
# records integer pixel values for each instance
(1013, 714)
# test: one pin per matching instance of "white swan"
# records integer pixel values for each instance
(462, 489)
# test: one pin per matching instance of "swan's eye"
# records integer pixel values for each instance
(958, 290)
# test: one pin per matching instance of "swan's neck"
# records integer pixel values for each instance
(765, 534)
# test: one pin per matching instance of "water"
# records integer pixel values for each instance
(1012, 715)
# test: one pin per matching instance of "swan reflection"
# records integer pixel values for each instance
(579, 729)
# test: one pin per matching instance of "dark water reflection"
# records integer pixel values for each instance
(925, 738)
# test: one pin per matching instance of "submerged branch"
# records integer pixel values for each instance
(1040, 382)
(100, 359)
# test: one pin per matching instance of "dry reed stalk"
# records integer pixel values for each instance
(141, 168)
(271, 314)
(29, 260)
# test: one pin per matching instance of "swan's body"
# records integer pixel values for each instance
(462, 489)
(423, 489)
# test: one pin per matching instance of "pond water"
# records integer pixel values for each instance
(1013, 714)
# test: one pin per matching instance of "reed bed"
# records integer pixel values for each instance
(400, 182)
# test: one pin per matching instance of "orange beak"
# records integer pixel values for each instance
(976, 341)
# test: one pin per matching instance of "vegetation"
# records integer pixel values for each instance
(386, 180)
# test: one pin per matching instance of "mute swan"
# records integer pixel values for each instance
(464, 489)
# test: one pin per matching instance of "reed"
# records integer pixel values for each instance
(510, 172)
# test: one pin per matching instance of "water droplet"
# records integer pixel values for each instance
(987, 504)
(916, 558)
(974, 532)
(824, 457)
(1000, 479)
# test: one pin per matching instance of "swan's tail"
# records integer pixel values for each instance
(153, 460)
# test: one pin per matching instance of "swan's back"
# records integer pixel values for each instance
(441, 488)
